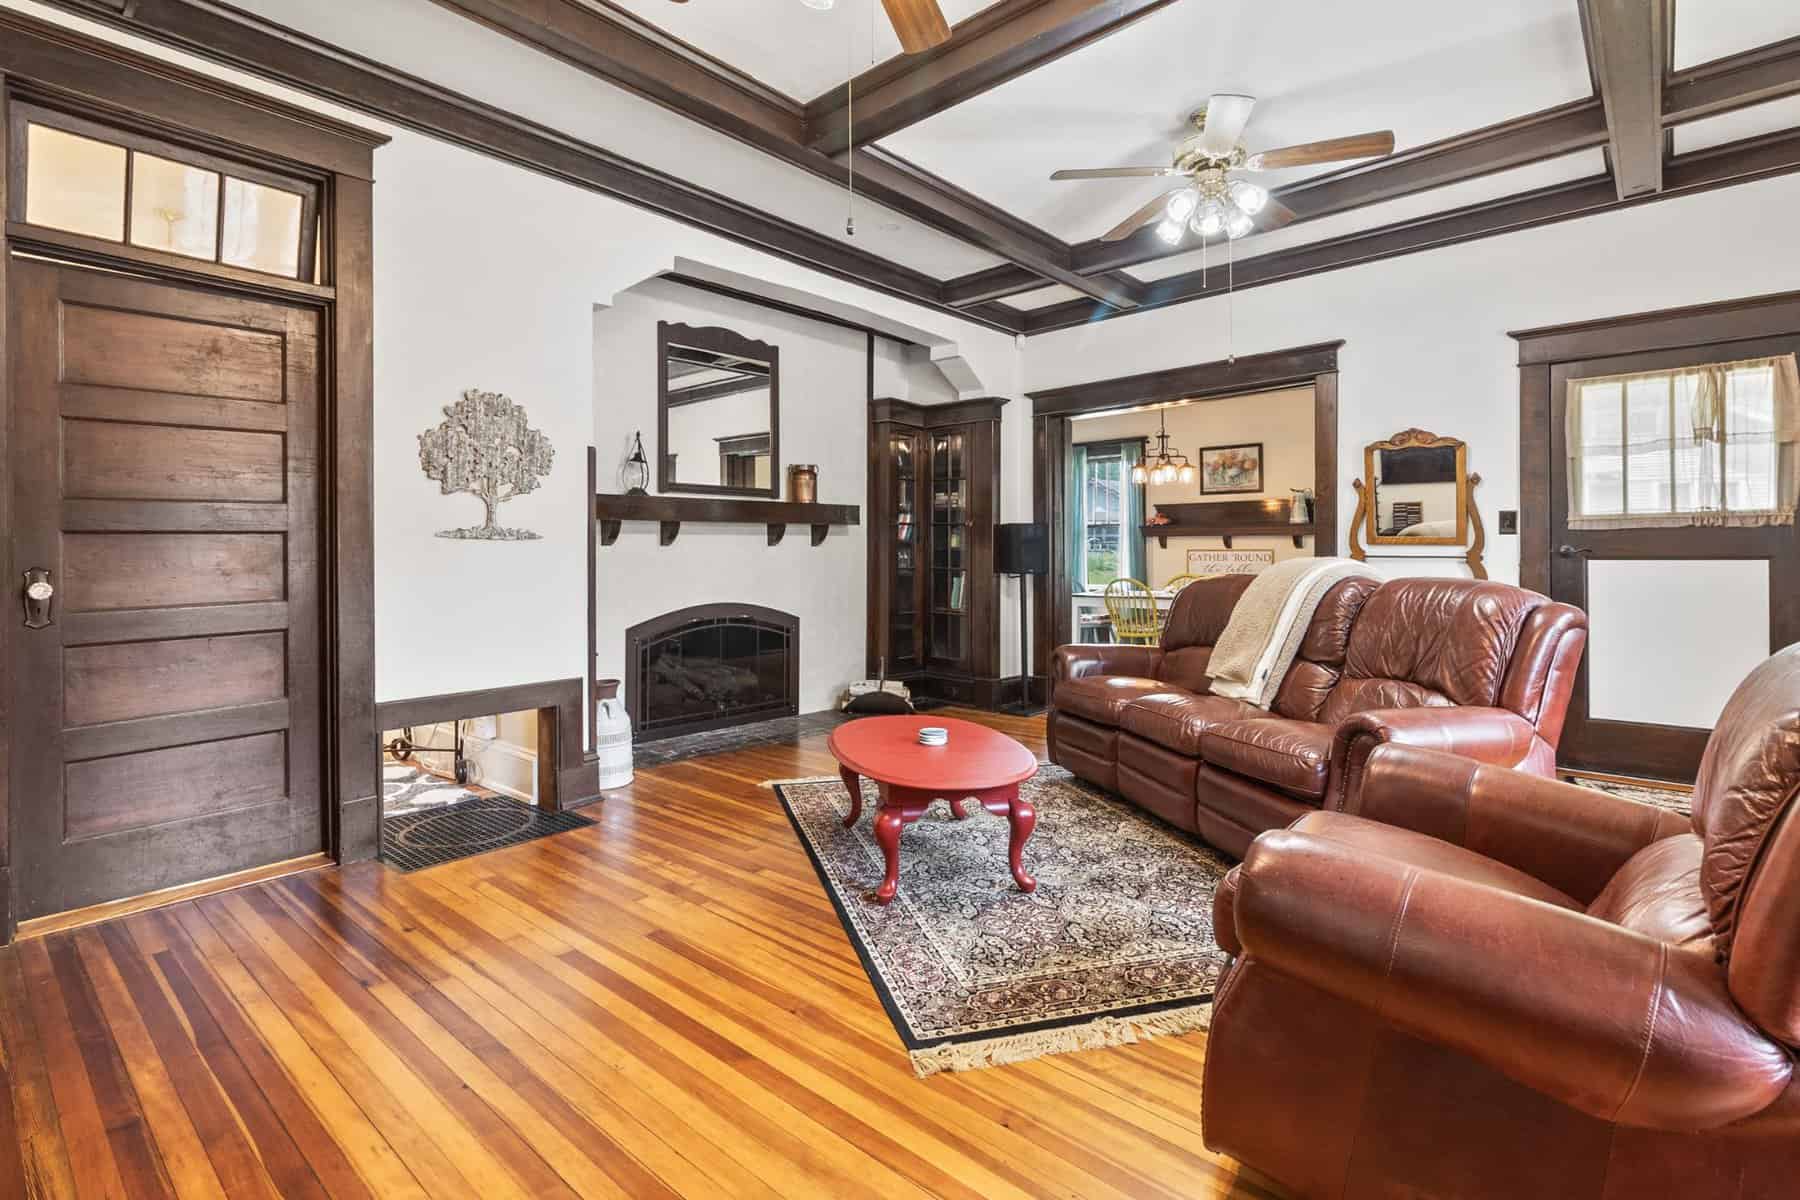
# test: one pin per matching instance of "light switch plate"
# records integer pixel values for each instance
(1509, 520)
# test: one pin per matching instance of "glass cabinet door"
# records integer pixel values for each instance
(903, 614)
(949, 542)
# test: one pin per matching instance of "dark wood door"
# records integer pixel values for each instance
(165, 470)
(1660, 654)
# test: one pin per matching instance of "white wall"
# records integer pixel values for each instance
(1425, 334)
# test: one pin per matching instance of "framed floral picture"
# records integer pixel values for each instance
(1228, 469)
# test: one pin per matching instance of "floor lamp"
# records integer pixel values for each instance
(1023, 549)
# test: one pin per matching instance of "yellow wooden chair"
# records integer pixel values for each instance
(1177, 582)
(1132, 607)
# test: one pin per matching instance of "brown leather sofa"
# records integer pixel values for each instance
(1477, 668)
(1478, 983)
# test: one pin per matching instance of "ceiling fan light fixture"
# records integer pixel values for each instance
(1209, 219)
(1169, 231)
(1248, 197)
(1237, 225)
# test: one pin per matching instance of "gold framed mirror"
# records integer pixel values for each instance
(1419, 493)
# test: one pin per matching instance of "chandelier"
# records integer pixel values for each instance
(1214, 205)
(1166, 467)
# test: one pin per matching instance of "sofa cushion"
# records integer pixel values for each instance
(1657, 893)
(1320, 661)
(1103, 697)
(1175, 719)
(1294, 756)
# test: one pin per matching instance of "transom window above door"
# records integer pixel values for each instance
(113, 185)
(1710, 444)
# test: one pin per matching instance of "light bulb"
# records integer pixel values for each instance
(1237, 225)
(1139, 475)
(1209, 219)
(1181, 204)
(1248, 197)
(1186, 473)
(1169, 232)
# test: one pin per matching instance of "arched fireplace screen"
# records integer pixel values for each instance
(710, 666)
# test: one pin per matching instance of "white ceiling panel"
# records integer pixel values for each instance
(1583, 165)
(1424, 69)
(1709, 29)
(1754, 121)
(792, 48)
(1054, 294)
(424, 39)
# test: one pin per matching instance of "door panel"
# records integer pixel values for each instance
(165, 467)
(1677, 616)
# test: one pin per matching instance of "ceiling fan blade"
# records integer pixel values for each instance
(1274, 215)
(1361, 145)
(1137, 220)
(1226, 116)
(920, 23)
(1115, 173)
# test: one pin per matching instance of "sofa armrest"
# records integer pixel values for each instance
(1490, 735)
(1573, 838)
(1601, 1018)
(1079, 660)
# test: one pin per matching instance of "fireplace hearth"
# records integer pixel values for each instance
(710, 666)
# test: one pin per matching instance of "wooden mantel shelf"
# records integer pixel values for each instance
(669, 512)
(1229, 519)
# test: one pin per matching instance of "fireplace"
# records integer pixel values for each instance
(710, 666)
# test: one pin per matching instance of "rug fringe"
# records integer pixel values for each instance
(1022, 1047)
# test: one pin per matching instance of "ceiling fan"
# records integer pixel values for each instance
(1212, 202)
(920, 24)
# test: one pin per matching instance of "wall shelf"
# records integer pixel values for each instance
(1228, 519)
(612, 510)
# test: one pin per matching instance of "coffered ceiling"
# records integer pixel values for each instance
(734, 114)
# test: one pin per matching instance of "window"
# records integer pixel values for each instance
(1106, 527)
(1705, 445)
(113, 185)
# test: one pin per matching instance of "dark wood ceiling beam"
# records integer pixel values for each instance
(1627, 43)
(1737, 162)
(250, 43)
(882, 174)
(632, 54)
(1757, 76)
(1000, 43)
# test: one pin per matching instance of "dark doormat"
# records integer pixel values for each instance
(440, 835)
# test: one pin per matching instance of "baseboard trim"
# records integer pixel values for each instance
(75, 918)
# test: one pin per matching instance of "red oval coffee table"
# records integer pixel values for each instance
(978, 764)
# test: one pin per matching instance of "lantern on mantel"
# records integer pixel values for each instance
(634, 472)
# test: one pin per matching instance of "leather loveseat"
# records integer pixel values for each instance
(1478, 983)
(1477, 668)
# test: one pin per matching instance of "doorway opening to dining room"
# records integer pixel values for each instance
(1150, 481)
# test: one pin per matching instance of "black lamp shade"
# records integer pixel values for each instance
(1022, 548)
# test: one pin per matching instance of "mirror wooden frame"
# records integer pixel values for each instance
(1471, 533)
(1416, 439)
(717, 340)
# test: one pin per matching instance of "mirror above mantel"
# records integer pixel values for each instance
(1419, 493)
(718, 412)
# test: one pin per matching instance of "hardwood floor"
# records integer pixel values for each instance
(661, 1005)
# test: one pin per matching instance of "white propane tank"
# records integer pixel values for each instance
(612, 736)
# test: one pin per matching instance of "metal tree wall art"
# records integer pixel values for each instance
(485, 447)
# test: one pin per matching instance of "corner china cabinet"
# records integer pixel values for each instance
(934, 483)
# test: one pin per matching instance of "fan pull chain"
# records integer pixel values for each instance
(850, 122)
(1230, 300)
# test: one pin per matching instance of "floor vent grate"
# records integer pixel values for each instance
(440, 835)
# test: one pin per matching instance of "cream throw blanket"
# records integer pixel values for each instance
(1266, 628)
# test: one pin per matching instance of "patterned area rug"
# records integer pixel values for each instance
(407, 788)
(1671, 796)
(1116, 943)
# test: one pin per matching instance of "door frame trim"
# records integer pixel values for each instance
(137, 92)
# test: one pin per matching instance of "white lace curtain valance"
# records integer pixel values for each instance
(1698, 446)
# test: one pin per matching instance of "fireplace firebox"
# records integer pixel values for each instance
(710, 666)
